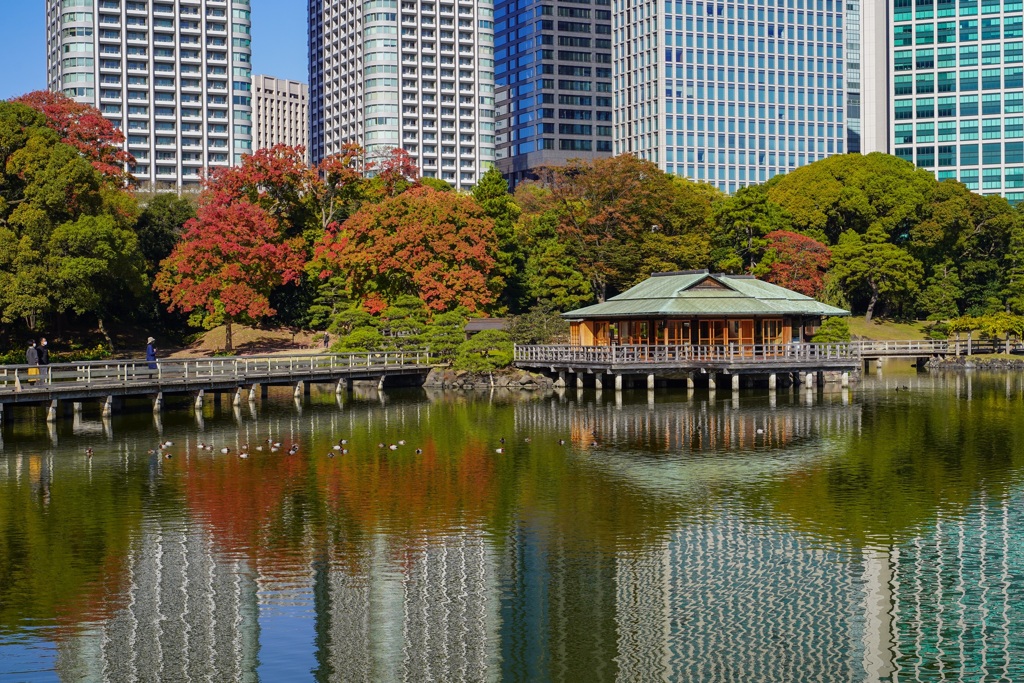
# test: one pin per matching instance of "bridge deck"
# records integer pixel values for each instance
(77, 381)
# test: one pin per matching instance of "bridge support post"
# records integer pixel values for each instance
(809, 379)
(820, 378)
(51, 412)
(252, 393)
(735, 382)
(1, 413)
(598, 381)
(340, 388)
(844, 381)
(711, 381)
(380, 384)
(650, 381)
(773, 383)
(879, 363)
(158, 402)
(689, 382)
(237, 400)
(199, 399)
(560, 382)
(108, 406)
(579, 380)
(76, 407)
(618, 381)
(299, 388)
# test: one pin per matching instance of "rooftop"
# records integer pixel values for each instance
(700, 293)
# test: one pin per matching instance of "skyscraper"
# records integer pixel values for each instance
(280, 112)
(415, 75)
(174, 76)
(958, 91)
(554, 82)
(729, 93)
(866, 61)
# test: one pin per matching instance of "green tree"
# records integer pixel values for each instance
(445, 333)
(740, 225)
(551, 276)
(833, 330)
(485, 351)
(160, 226)
(877, 270)
(541, 325)
(940, 297)
(491, 193)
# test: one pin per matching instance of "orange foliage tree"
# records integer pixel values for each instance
(84, 128)
(438, 246)
(794, 261)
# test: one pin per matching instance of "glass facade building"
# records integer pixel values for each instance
(553, 71)
(175, 76)
(958, 91)
(397, 73)
(731, 93)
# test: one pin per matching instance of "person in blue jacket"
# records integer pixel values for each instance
(151, 353)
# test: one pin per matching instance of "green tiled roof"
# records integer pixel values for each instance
(676, 294)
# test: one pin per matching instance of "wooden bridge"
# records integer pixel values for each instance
(113, 381)
(796, 363)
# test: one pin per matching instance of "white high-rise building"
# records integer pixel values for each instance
(280, 112)
(174, 75)
(415, 75)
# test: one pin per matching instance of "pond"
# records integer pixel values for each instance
(869, 534)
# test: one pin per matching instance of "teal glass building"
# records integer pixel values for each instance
(958, 91)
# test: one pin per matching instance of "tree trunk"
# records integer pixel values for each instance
(227, 336)
(602, 292)
(871, 307)
(103, 331)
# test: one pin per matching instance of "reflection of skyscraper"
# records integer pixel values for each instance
(432, 615)
(188, 615)
(727, 600)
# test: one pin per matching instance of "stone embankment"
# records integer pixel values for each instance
(506, 379)
(976, 363)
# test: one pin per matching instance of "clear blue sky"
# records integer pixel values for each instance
(278, 43)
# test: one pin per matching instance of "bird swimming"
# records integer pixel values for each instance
(225, 450)
(499, 450)
(419, 451)
(88, 452)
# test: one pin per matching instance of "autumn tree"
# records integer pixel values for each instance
(230, 258)
(794, 261)
(84, 128)
(437, 246)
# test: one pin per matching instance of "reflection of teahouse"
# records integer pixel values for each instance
(697, 307)
(480, 324)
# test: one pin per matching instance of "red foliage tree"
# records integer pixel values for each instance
(438, 246)
(85, 129)
(230, 257)
(795, 261)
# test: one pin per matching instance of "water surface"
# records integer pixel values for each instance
(874, 534)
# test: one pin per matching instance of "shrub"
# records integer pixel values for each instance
(832, 331)
(485, 351)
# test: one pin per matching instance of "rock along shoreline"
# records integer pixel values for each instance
(509, 378)
(975, 363)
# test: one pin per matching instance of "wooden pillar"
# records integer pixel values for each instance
(809, 378)
(735, 382)
(711, 381)
(237, 400)
(108, 406)
(650, 381)
(264, 392)
(51, 412)
(618, 381)
(845, 380)
(252, 393)
(773, 383)
(598, 381)
(158, 402)
(76, 407)
(380, 384)
(820, 378)
(1, 413)
(579, 380)
(299, 387)
(339, 389)
(689, 382)
(199, 399)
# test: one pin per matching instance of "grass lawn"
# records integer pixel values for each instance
(887, 329)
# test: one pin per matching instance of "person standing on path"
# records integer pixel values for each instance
(44, 357)
(32, 360)
(151, 353)
(327, 340)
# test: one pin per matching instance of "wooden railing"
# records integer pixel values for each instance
(682, 353)
(197, 371)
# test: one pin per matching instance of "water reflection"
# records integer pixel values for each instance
(673, 536)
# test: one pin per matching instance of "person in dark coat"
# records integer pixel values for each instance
(44, 357)
(32, 360)
(151, 353)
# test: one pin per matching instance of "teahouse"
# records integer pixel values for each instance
(700, 308)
